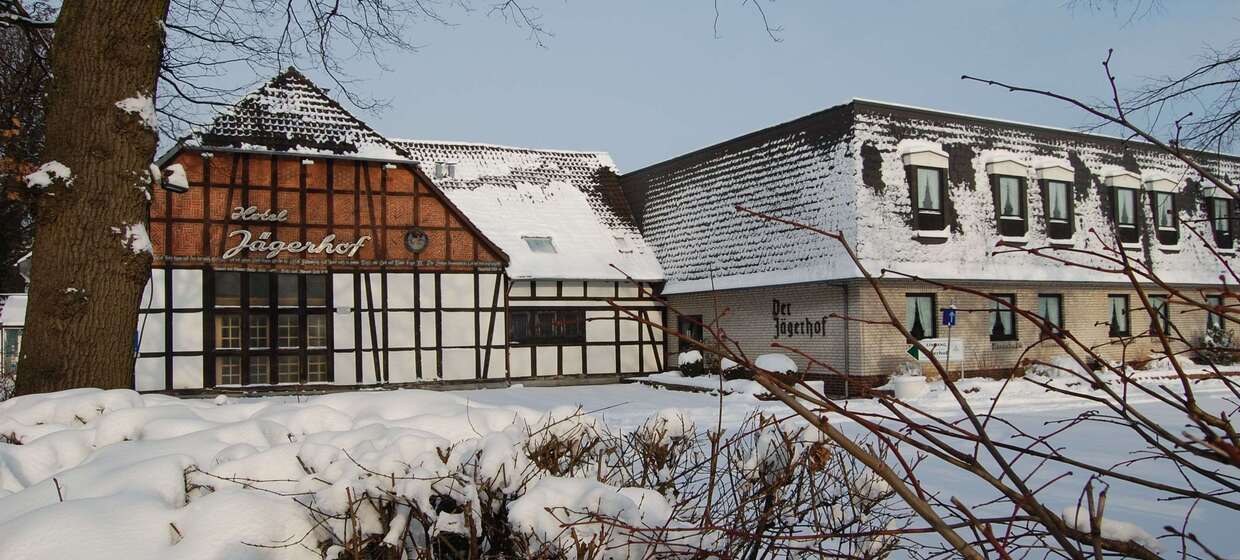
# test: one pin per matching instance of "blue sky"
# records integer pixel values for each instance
(648, 79)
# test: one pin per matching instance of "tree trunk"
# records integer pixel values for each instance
(91, 258)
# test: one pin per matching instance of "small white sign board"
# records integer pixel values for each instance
(953, 353)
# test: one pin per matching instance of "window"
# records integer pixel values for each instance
(287, 290)
(1009, 195)
(919, 315)
(1050, 309)
(316, 368)
(928, 195)
(260, 370)
(547, 326)
(1162, 310)
(316, 290)
(270, 327)
(1214, 319)
(1118, 315)
(289, 371)
(1126, 214)
(1220, 221)
(539, 244)
(689, 326)
(1059, 220)
(260, 331)
(1003, 317)
(228, 332)
(1166, 219)
(287, 332)
(227, 289)
(316, 331)
(228, 368)
(444, 169)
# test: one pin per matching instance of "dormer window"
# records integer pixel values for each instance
(925, 165)
(1124, 209)
(928, 203)
(1166, 214)
(1010, 209)
(445, 170)
(1057, 203)
(539, 244)
(1220, 210)
(1007, 187)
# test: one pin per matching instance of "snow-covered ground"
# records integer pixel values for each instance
(102, 474)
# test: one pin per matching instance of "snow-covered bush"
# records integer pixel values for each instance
(731, 370)
(1215, 346)
(387, 475)
(690, 363)
(776, 363)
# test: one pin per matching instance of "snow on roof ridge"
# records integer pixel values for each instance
(1014, 122)
(499, 146)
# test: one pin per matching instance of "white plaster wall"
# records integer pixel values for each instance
(186, 288)
(342, 290)
(149, 374)
(458, 363)
(430, 368)
(342, 331)
(600, 326)
(572, 360)
(151, 328)
(402, 366)
(458, 328)
(344, 369)
(187, 372)
(186, 332)
(630, 357)
(548, 360)
(601, 359)
(457, 290)
(428, 329)
(400, 290)
(426, 290)
(601, 289)
(519, 361)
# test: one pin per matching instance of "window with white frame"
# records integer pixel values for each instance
(1125, 212)
(929, 194)
(1003, 317)
(1050, 309)
(1118, 315)
(1220, 211)
(539, 244)
(1214, 318)
(1166, 217)
(1009, 194)
(1161, 306)
(919, 315)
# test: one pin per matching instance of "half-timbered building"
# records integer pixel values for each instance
(303, 247)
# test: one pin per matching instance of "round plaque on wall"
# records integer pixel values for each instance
(416, 240)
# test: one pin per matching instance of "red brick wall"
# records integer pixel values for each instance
(350, 198)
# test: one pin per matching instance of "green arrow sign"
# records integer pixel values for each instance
(912, 351)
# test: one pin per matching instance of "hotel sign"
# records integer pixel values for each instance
(272, 248)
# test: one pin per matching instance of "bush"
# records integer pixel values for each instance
(567, 487)
(690, 364)
(1215, 346)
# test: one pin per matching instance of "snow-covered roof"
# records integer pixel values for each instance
(509, 193)
(843, 169)
(291, 114)
(12, 310)
(572, 197)
(799, 170)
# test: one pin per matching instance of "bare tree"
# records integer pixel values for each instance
(109, 63)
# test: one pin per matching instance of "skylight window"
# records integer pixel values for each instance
(540, 244)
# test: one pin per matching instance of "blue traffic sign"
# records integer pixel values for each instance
(949, 317)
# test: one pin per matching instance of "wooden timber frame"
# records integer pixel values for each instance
(385, 281)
